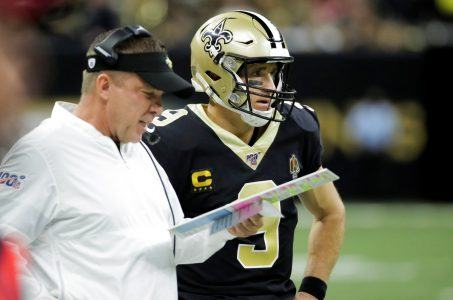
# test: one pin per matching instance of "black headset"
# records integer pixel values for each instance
(106, 49)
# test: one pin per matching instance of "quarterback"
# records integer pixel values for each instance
(251, 136)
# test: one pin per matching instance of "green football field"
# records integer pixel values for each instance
(391, 251)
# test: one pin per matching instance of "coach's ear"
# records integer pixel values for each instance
(103, 86)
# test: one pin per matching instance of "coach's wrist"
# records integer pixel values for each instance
(314, 286)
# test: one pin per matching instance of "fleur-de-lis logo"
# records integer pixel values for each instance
(212, 38)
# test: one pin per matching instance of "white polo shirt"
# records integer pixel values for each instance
(95, 218)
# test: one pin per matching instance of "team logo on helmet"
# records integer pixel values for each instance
(212, 38)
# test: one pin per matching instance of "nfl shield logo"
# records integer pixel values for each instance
(91, 62)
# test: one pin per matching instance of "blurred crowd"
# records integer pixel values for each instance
(309, 25)
(37, 36)
(327, 25)
(42, 45)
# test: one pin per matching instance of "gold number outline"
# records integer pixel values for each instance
(247, 256)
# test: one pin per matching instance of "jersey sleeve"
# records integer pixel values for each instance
(315, 148)
(27, 193)
(312, 149)
(171, 140)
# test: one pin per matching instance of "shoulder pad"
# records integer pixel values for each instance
(173, 127)
(305, 117)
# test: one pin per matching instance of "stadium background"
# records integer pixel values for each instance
(379, 74)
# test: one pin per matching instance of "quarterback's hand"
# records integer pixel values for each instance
(304, 296)
(248, 227)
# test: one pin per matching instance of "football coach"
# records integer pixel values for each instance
(88, 199)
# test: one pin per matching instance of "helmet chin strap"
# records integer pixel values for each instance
(254, 120)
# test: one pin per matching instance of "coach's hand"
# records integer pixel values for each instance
(248, 227)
